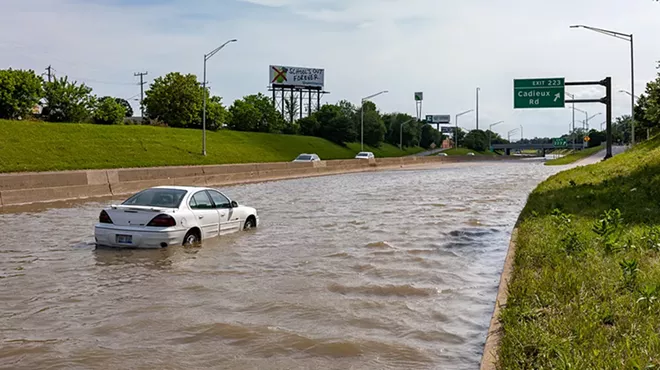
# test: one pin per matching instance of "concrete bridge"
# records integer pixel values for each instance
(542, 147)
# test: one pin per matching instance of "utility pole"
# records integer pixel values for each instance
(50, 72)
(141, 74)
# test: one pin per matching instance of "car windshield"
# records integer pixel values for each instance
(363, 154)
(304, 157)
(157, 197)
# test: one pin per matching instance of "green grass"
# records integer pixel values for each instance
(39, 146)
(585, 289)
(574, 157)
(465, 151)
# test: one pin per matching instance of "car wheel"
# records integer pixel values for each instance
(191, 238)
(249, 224)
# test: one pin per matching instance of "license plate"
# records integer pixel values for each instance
(124, 239)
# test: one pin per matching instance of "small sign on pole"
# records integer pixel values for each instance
(419, 96)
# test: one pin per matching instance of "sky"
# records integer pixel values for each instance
(443, 48)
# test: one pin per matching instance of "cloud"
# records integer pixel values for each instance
(443, 48)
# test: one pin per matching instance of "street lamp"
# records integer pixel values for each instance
(589, 119)
(586, 115)
(456, 131)
(489, 131)
(508, 134)
(625, 37)
(648, 129)
(401, 133)
(478, 90)
(207, 57)
(573, 111)
(362, 116)
(521, 133)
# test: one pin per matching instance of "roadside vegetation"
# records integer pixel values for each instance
(40, 146)
(573, 157)
(465, 151)
(585, 289)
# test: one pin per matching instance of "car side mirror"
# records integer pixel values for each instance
(234, 204)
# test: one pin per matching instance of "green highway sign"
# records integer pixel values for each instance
(538, 93)
(419, 96)
(559, 142)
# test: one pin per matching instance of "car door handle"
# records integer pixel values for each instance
(222, 214)
(200, 217)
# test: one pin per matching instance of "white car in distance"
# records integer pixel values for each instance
(365, 155)
(162, 216)
(304, 157)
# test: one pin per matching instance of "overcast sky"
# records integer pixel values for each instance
(443, 48)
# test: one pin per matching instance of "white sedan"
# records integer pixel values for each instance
(171, 215)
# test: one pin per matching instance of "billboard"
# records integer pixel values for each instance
(438, 118)
(287, 76)
(447, 129)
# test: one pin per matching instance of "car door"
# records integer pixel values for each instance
(206, 214)
(229, 220)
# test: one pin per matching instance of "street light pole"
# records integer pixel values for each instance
(362, 117)
(401, 133)
(521, 133)
(589, 119)
(207, 57)
(508, 134)
(573, 106)
(648, 129)
(629, 38)
(489, 131)
(478, 89)
(456, 131)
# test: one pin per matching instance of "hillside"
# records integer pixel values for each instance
(585, 289)
(39, 146)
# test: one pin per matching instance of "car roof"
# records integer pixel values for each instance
(186, 188)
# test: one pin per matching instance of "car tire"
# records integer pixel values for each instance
(249, 224)
(191, 238)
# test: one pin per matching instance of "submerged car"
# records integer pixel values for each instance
(364, 155)
(304, 157)
(162, 216)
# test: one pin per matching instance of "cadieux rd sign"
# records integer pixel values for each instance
(539, 93)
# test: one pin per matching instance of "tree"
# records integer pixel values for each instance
(335, 126)
(430, 136)
(409, 134)
(309, 126)
(66, 101)
(127, 107)
(596, 138)
(651, 102)
(476, 140)
(20, 91)
(176, 99)
(256, 113)
(216, 114)
(109, 111)
(460, 137)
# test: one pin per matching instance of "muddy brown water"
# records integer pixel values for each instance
(382, 270)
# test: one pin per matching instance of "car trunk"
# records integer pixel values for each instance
(134, 215)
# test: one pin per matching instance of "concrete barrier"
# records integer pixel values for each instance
(38, 187)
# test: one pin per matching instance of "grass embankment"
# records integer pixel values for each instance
(574, 156)
(465, 151)
(585, 290)
(38, 146)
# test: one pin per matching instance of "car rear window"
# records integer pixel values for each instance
(304, 157)
(168, 198)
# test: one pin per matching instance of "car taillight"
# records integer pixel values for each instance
(162, 221)
(104, 218)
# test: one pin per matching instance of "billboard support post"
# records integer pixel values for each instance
(294, 84)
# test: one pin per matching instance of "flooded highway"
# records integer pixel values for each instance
(381, 270)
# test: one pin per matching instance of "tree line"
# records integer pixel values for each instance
(176, 100)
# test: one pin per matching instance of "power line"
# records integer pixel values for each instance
(141, 74)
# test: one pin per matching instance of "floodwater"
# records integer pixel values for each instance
(380, 270)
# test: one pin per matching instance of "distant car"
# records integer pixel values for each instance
(470, 153)
(162, 216)
(304, 157)
(442, 154)
(365, 155)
